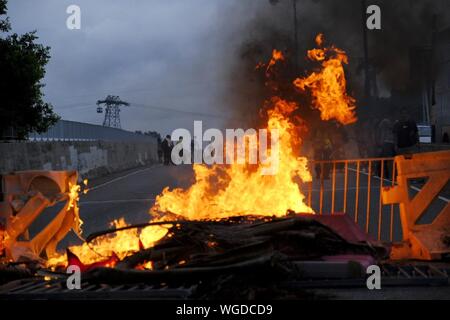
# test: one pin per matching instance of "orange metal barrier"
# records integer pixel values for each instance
(379, 195)
(354, 187)
(425, 239)
(25, 195)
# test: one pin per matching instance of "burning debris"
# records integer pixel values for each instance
(245, 250)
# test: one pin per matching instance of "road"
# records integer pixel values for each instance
(129, 195)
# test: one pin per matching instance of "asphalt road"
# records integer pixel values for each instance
(129, 195)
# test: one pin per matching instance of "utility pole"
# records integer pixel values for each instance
(294, 4)
(429, 75)
(367, 78)
(295, 49)
(112, 110)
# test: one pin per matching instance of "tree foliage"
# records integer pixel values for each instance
(22, 67)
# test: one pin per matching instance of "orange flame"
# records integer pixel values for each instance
(277, 55)
(244, 189)
(328, 86)
(121, 244)
(220, 192)
(320, 39)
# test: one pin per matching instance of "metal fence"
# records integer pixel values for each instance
(65, 130)
(354, 187)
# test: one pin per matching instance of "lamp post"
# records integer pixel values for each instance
(294, 7)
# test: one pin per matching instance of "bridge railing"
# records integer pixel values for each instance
(65, 130)
(354, 187)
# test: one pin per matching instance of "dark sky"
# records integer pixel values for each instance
(166, 54)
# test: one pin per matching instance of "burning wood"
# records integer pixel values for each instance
(245, 248)
(206, 245)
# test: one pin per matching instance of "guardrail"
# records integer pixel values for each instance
(354, 187)
(65, 130)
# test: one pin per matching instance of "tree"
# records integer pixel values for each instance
(22, 67)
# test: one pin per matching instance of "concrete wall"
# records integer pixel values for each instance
(91, 158)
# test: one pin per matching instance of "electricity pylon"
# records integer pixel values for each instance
(112, 110)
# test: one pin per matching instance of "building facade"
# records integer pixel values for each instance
(440, 112)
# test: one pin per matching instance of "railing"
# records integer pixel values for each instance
(354, 187)
(65, 130)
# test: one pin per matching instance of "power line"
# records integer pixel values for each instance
(166, 109)
(83, 105)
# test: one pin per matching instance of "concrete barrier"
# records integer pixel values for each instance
(90, 158)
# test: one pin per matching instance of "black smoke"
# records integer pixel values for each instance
(406, 24)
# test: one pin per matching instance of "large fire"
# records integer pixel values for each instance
(221, 191)
(240, 189)
(237, 189)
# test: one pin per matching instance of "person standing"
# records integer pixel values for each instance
(322, 152)
(386, 145)
(166, 147)
(406, 134)
(160, 151)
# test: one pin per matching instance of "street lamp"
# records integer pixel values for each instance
(294, 6)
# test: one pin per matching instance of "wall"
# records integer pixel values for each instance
(91, 158)
(440, 115)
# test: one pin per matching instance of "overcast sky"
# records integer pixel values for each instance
(163, 53)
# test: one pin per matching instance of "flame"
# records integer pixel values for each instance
(246, 191)
(121, 244)
(3, 237)
(277, 55)
(320, 39)
(223, 191)
(328, 86)
(74, 198)
(146, 266)
(85, 183)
